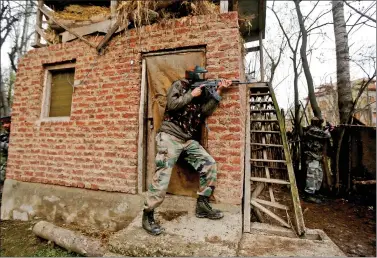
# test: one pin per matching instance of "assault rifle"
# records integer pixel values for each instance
(211, 86)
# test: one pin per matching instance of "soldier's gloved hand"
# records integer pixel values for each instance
(197, 91)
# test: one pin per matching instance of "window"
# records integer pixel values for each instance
(58, 89)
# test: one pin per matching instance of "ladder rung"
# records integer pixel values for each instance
(257, 84)
(266, 144)
(268, 160)
(272, 204)
(257, 131)
(261, 102)
(263, 111)
(259, 94)
(269, 167)
(264, 120)
(269, 180)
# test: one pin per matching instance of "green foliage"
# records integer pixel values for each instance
(54, 252)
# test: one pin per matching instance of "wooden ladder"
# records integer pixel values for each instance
(268, 161)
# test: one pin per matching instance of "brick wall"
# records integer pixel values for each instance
(97, 147)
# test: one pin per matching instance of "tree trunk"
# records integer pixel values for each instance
(345, 101)
(342, 62)
(305, 63)
(5, 111)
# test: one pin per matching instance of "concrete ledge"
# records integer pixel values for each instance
(99, 209)
(265, 243)
(185, 235)
(267, 229)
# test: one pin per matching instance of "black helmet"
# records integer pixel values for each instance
(193, 73)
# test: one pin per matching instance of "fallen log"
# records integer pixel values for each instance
(70, 240)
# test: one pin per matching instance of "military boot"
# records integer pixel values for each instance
(149, 224)
(204, 209)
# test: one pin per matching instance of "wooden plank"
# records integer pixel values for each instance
(261, 55)
(299, 218)
(268, 160)
(269, 180)
(254, 195)
(42, 34)
(224, 6)
(264, 120)
(256, 85)
(266, 144)
(258, 190)
(259, 94)
(108, 36)
(38, 45)
(38, 24)
(71, 64)
(263, 111)
(272, 204)
(269, 213)
(255, 166)
(102, 26)
(247, 193)
(113, 8)
(267, 171)
(46, 95)
(46, 13)
(141, 136)
(162, 53)
(259, 131)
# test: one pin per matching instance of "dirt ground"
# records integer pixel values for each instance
(351, 226)
(18, 240)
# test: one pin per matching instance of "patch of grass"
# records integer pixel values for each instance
(54, 252)
(18, 240)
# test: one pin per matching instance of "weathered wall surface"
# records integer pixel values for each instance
(98, 209)
(97, 148)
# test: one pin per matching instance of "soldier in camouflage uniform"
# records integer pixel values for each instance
(185, 111)
(4, 141)
(315, 138)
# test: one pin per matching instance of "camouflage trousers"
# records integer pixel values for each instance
(314, 176)
(3, 167)
(169, 148)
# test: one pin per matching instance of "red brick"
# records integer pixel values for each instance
(103, 128)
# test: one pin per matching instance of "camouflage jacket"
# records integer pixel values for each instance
(315, 138)
(4, 141)
(184, 114)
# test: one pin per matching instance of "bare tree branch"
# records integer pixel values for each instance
(317, 18)
(361, 13)
(315, 5)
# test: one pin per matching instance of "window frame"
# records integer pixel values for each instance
(46, 99)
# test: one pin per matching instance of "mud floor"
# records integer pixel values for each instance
(351, 226)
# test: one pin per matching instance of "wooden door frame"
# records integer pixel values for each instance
(143, 109)
(141, 150)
